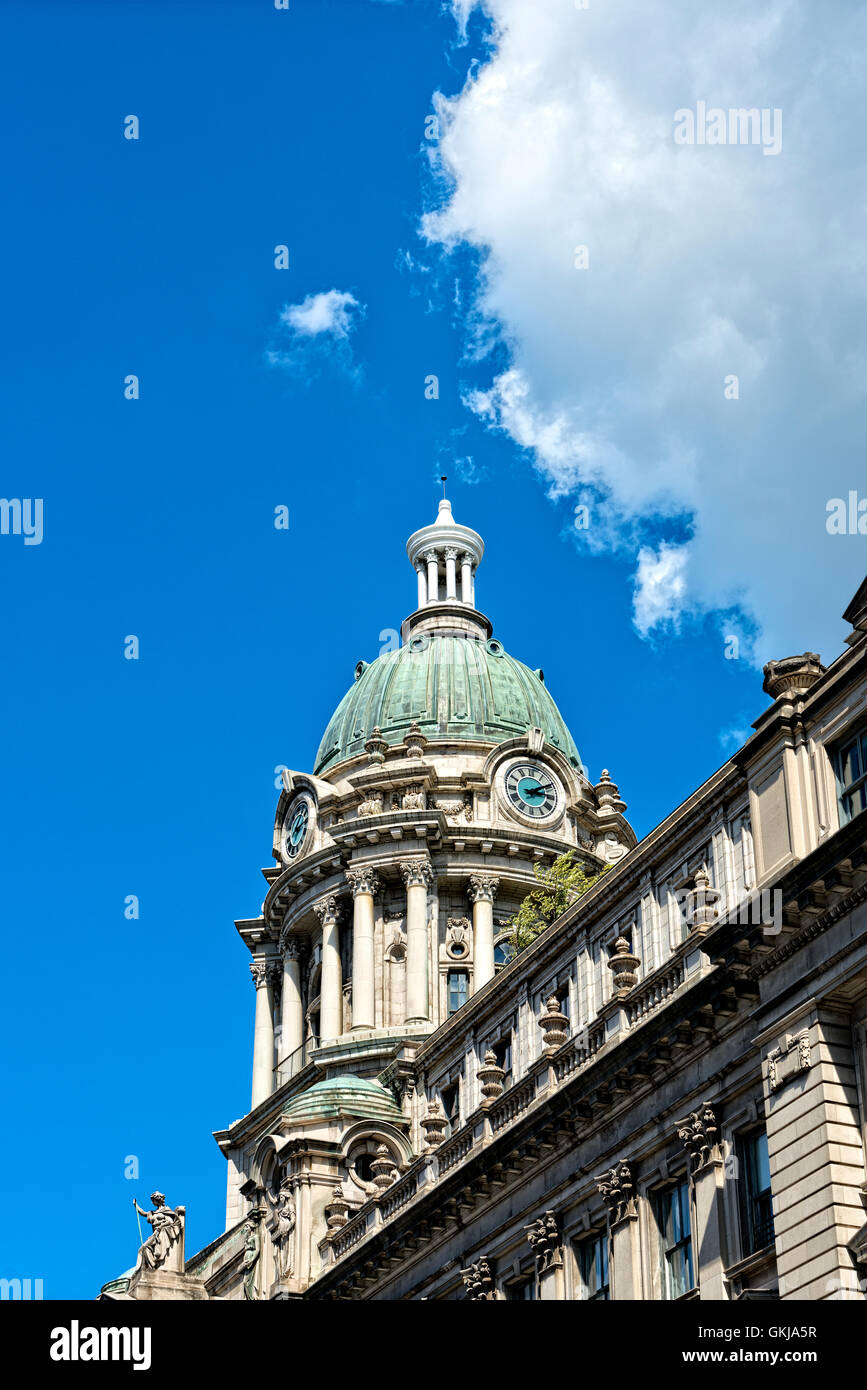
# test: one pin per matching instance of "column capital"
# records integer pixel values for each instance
(618, 1192)
(482, 887)
(479, 1280)
(699, 1134)
(328, 908)
(416, 873)
(544, 1237)
(450, 552)
(432, 557)
(292, 947)
(362, 879)
(264, 972)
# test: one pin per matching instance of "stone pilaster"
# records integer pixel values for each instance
(544, 1237)
(618, 1192)
(699, 1133)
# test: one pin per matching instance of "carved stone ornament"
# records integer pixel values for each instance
(491, 1077)
(792, 675)
(250, 1262)
(699, 1133)
(554, 1024)
(608, 796)
(413, 801)
(376, 746)
(417, 873)
(457, 810)
(291, 947)
(281, 1223)
(265, 972)
(362, 879)
(701, 909)
(458, 937)
(384, 1169)
(788, 1061)
(482, 888)
(337, 1210)
(618, 1193)
(372, 806)
(479, 1281)
(414, 741)
(544, 1236)
(434, 1124)
(327, 909)
(624, 965)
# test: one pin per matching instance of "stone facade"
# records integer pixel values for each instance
(662, 1097)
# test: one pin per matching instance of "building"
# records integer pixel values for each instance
(662, 1097)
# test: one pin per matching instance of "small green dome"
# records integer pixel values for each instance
(454, 687)
(349, 1095)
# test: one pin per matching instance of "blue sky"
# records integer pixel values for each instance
(260, 128)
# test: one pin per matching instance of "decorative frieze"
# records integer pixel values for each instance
(414, 799)
(788, 1060)
(544, 1237)
(479, 1281)
(618, 1193)
(372, 806)
(554, 1024)
(699, 1133)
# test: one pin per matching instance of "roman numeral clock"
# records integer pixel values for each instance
(532, 791)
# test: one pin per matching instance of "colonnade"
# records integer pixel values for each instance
(282, 970)
(428, 571)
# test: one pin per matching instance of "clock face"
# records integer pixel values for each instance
(532, 790)
(297, 825)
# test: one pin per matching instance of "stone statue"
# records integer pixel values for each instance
(167, 1230)
(251, 1258)
(281, 1224)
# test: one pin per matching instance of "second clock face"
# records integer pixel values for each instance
(532, 790)
(297, 823)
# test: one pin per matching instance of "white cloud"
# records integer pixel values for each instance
(704, 262)
(326, 312)
(660, 586)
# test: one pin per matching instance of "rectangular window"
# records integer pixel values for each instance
(503, 1053)
(451, 1102)
(458, 989)
(675, 1241)
(521, 1290)
(757, 1215)
(593, 1268)
(851, 768)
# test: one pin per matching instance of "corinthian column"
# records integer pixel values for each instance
(451, 577)
(292, 1017)
(422, 585)
(364, 885)
(331, 988)
(263, 972)
(481, 893)
(417, 875)
(433, 590)
(466, 578)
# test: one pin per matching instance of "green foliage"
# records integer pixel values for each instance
(560, 886)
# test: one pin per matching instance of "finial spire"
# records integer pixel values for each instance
(444, 479)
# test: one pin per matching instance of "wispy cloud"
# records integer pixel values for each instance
(317, 332)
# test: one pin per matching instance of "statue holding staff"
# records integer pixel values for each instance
(167, 1230)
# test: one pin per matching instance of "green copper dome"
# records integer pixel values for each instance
(454, 687)
(347, 1095)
